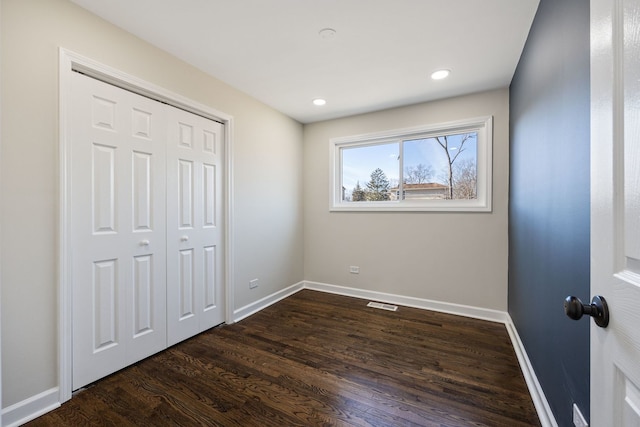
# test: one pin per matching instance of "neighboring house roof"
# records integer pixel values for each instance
(423, 186)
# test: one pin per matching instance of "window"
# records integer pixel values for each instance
(446, 167)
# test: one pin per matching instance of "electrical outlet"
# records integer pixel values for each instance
(354, 269)
(253, 284)
(578, 419)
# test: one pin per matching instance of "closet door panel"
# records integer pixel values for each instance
(118, 228)
(146, 192)
(194, 192)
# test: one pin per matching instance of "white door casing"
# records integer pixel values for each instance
(615, 210)
(194, 225)
(118, 233)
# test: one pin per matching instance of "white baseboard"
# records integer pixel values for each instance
(265, 302)
(545, 414)
(425, 304)
(31, 408)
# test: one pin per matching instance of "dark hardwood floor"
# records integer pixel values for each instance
(319, 359)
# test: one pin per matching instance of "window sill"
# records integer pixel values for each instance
(438, 206)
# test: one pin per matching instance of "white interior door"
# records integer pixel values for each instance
(615, 210)
(118, 233)
(194, 225)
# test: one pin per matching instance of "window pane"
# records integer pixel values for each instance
(369, 172)
(438, 167)
(442, 167)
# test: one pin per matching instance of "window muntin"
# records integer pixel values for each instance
(443, 167)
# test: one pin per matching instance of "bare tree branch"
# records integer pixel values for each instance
(444, 143)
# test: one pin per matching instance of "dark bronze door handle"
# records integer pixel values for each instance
(598, 309)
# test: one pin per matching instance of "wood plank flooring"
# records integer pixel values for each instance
(317, 359)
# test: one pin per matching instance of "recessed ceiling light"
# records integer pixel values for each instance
(440, 74)
(319, 101)
(327, 33)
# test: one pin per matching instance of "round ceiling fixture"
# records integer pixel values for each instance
(319, 102)
(440, 74)
(327, 33)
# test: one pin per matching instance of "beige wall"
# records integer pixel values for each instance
(267, 150)
(458, 258)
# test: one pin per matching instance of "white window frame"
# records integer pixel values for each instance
(482, 125)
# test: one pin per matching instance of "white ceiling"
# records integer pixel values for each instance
(381, 56)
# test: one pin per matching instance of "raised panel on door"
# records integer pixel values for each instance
(105, 319)
(186, 196)
(210, 278)
(103, 190)
(142, 191)
(194, 218)
(186, 285)
(118, 229)
(143, 321)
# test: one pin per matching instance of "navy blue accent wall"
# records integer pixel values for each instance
(549, 201)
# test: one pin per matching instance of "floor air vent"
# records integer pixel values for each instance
(383, 306)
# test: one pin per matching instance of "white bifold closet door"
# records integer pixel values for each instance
(146, 227)
(194, 225)
(118, 196)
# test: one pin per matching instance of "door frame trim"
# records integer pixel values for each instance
(70, 62)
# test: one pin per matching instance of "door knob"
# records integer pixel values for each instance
(598, 309)
(184, 238)
(144, 242)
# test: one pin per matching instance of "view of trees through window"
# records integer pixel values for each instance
(437, 167)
